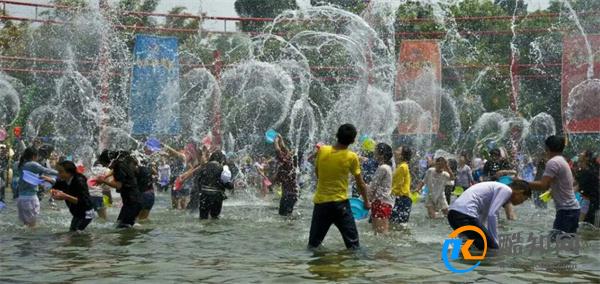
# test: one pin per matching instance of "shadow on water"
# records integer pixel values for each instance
(129, 236)
(337, 265)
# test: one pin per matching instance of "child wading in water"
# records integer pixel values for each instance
(381, 189)
(72, 188)
(559, 178)
(332, 166)
(286, 174)
(436, 179)
(28, 204)
(401, 186)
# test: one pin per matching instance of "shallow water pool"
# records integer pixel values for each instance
(252, 244)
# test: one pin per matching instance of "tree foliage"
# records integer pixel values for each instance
(261, 9)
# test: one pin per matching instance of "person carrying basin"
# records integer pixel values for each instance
(31, 175)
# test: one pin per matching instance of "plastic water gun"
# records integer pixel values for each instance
(546, 196)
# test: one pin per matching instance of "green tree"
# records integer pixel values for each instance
(261, 9)
(354, 6)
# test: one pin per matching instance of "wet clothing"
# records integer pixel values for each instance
(401, 180)
(124, 173)
(76, 187)
(381, 210)
(401, 210)
(337, 213)
(28, 204)
(589, 189)
(331, 198)
(145, 186)
(482, 202)
(492, 167)
(401, 190)
(27, 189)
(286, 174)
(566, 220)
(83, 210)
(458, 219)
(436, 182)
(212, 190)
(164, 175)
(148, 198)
(562, 186)
(3, 175)
(464, 177)
(333, 168)
(286, 204)
(79, 224)
(380, 188)
(28, 208)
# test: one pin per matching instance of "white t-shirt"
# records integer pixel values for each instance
(381, 185)
(562, 186)
(482, 201)
(436, 182)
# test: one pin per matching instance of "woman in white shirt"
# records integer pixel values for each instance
(380, 189)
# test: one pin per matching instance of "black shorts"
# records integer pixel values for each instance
(98, 202)
(148, 200)
(401, 211)
(128, 214)
(79, 223)
(286, 204)
(337, 213)
(211, 203)
(458, 219)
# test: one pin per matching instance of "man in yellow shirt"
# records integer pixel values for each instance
(401, 186)
(332, 166)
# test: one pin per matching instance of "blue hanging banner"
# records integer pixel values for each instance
(155, 86)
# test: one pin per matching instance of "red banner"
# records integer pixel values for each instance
(580, 93)
(419, 79)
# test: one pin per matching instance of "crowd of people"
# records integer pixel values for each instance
(386, 180)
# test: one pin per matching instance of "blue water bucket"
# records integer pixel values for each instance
(271, 135)
(424, 192)
(505, 180)
(363, 138)
(153, 144)
(578, 197)
(358, 209)
(32, 178)
(46, 185)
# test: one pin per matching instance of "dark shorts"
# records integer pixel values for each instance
(128, 214)
(458, 219)
(211, 203)
(79, 223)
(194, 202)
(148, 200)
(566, 220)
(401, 211)
(97, 202)
(286, 204)
(337, 213)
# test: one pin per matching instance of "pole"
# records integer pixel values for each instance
(216, 130)
(514, 104)
(104, 68)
